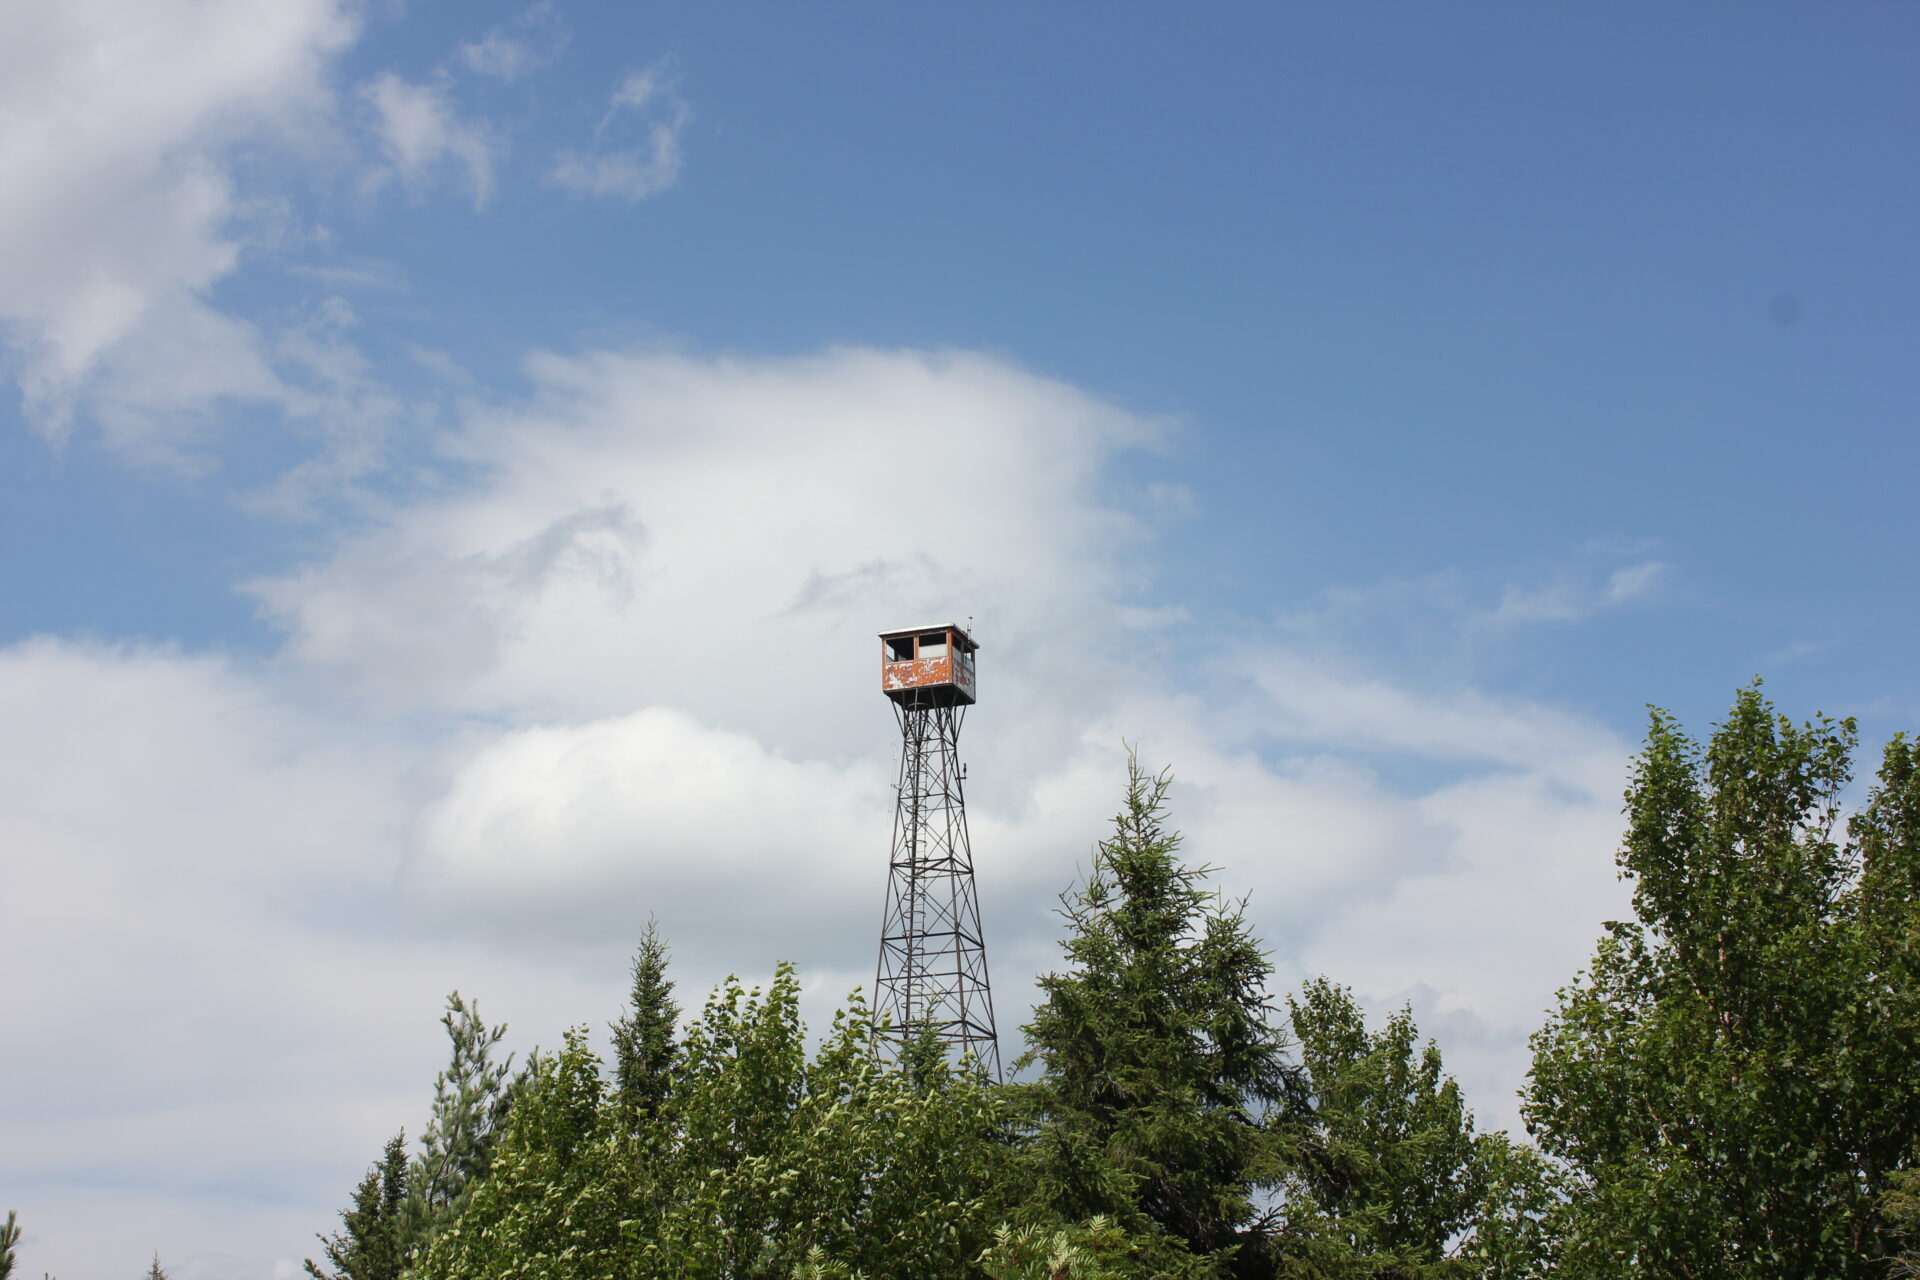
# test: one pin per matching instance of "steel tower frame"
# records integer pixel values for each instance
(932, 975)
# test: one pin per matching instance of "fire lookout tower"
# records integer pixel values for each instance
(932, 977)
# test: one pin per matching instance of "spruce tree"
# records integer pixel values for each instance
(644, 1048)
(156, 1271)
(375, 1240)
(1161, 1073)
(9, 1237)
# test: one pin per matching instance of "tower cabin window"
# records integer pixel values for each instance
(933, 644)
(900, 649)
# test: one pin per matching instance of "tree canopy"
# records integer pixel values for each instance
(1734, 1083)
(1730, 1090)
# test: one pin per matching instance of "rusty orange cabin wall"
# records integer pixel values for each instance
(952, 671)
(917, 674)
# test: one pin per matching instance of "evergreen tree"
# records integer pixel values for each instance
(9, 1237)
(471, 1098)
(375, 1237)
(1160, 1073)
(1735, 1081)
(644, 1049)
(156, 1272)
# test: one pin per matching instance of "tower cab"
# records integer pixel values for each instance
(928, 666)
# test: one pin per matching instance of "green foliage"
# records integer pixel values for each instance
(845, 1162)
(156, 1271)
(471, 1099)
(644, 1050)
(757, 1163)
(1160, 1070)
(1900, 1208)
(1098, 1249)
(1735, 1081)
(1521, 1218)
(1731, 1092)
(375, 1234)
(1387, 1175)
(549, 1205)
(9, 1237)
(401, 1204)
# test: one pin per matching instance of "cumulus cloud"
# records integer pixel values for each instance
(119, 211)
(782, 501)
(620, 662)
(770, 516)
(643, 101)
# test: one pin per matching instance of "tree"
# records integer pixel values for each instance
(1160, 1072)
(375, 1237)
(471, 1099)
(1734, 1083)
(1900, 1206)
(644, 1049)
(1095, 1250)
(9, 1237)
(764, 1163)
(400, 1204)
(552, 1200)
(156, 1271)
(1387, 1177)
(844, 1163)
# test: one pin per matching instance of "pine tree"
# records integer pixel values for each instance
(471, 1099)
(9, 1237)
(1160, 1071)
(374, 1240)
(644, 1049)
(156, 1271)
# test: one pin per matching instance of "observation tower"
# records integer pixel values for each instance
(932, 976)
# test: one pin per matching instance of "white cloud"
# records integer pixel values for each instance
(1314, 700)
(533, 40)
(625, 666)
(673, 565)
(420, 132)
(117, 210)
(1572, 597)
(631, 173)
(768, 507)
(205, 953)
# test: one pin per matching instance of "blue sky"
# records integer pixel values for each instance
(449, 454)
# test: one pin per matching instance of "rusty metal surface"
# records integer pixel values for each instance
(917, 674)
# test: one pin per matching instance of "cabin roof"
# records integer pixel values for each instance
(960, 632)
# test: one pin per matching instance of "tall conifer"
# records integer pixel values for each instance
(1160, 1069)
(644, 1048)
(375, 1239)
